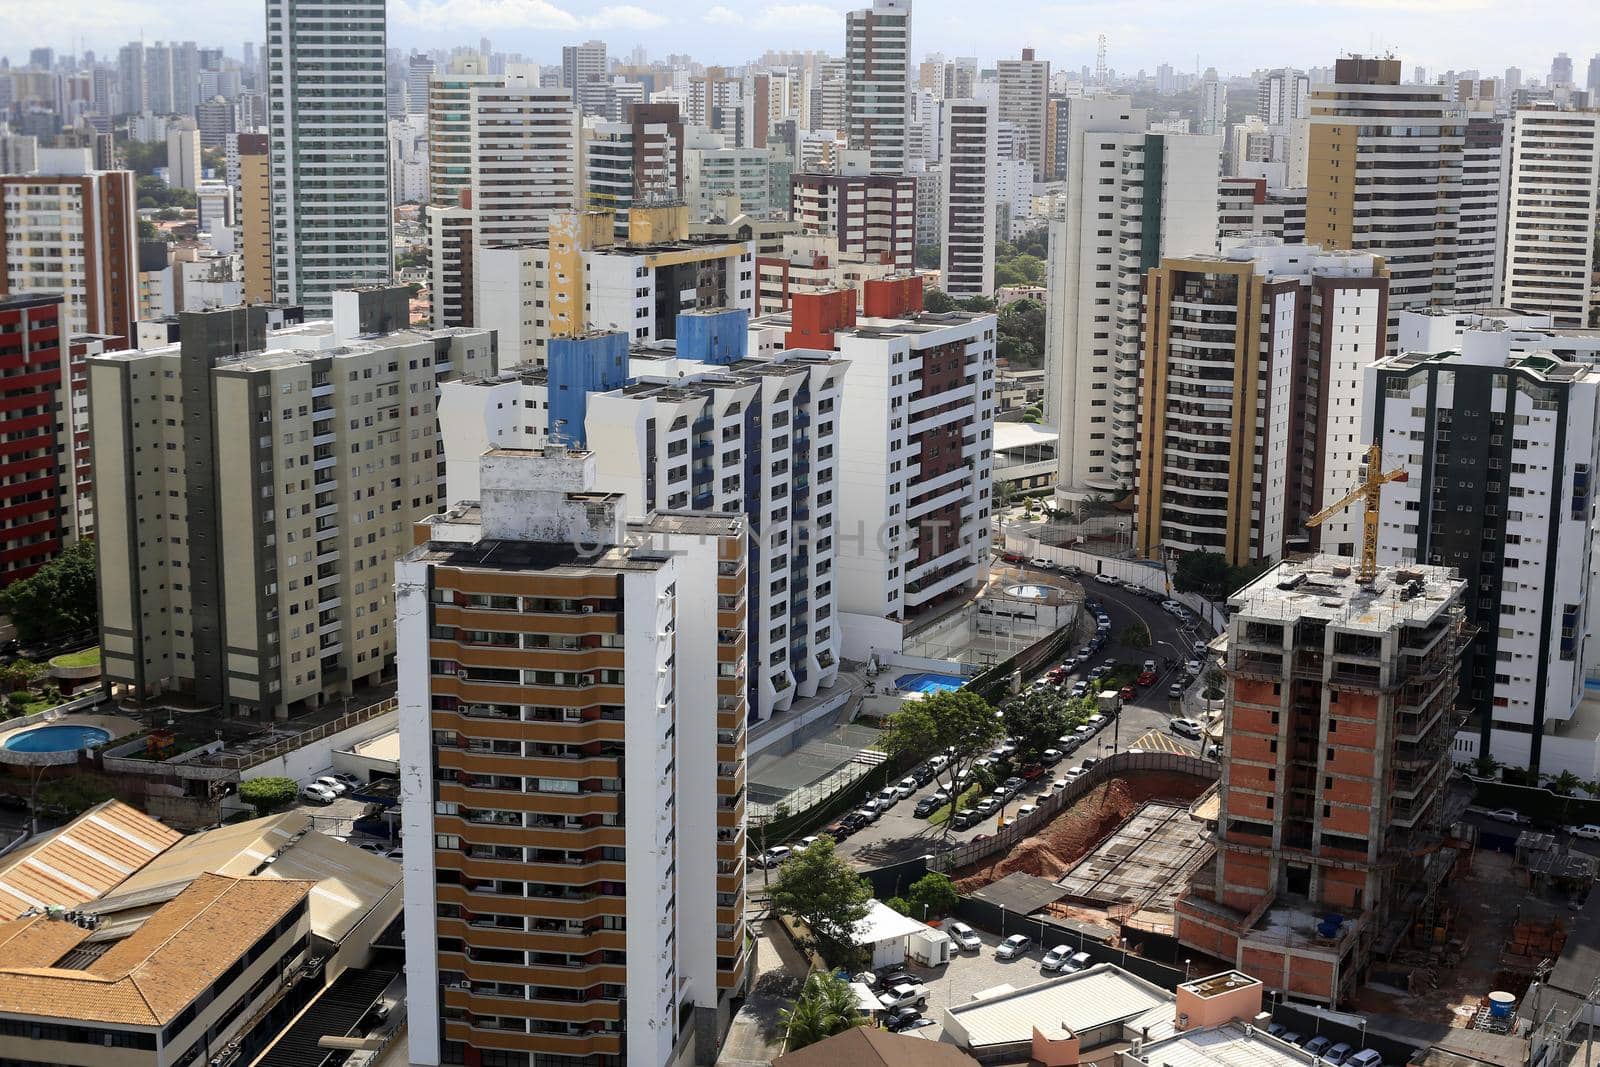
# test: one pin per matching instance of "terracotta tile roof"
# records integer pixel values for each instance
(867, 1046)
(147, 978)
(84, 859)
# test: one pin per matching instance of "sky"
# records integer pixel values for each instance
(1235, 36)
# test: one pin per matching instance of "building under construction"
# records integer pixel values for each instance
(1340, 710)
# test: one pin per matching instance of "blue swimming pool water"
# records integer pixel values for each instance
(928, 682)
(1031, 592)
(58, 738)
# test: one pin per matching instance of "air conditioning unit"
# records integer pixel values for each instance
(463, 985)
(586, 609)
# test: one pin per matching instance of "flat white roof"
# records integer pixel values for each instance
(883, 923)
(1071, 1004)
(1229, 1045)
(1022, 434)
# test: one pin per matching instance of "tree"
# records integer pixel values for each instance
(1565, 783)
(824, 893)
(267, 794)
(75, 795)
(1214, 680)
(143, 157)
(19, 674)
(1205, 573)
(1485, 766)
(958, 723)
(932, 896)
(1136, 635)
(978, 305)
(928, 257)
(58, 600)
(938, 301)
(826, 1006)
(1021, 333)
(1034, 721)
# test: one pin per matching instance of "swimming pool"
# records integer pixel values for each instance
(1031, 592)
(58, 738)
(929, 682)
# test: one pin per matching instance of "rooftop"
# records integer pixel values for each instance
(83, 860)
(1229, 1045)
(1145, 864)
(1542, 365)
(1063, 1006)
(1325, 587)
(150, 976)
(866, 1046)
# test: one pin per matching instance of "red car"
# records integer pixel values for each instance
(1127, 692)
(1147, 678)
(1032, 771)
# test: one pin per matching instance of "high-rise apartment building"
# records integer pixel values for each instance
(1336, 754)
(1553, 213)
(1240, 371)
(968, 197)
(1384, 175)
(572, 742)
(1132, 197)
(1561, 71)
(419, 73)
(1501, 448)
(1283, 96)
(582, 64)
(46, 491)
(72, 230)
(1485, 183)
(868, 214)
(695, 424)
(714, 169)
(1249, 207)
(916, 436)
(1023, 94)
(328, 131)
(254, 490)
(877, 81)
(638, 159)
(255, 216)
(183, 156)
(582, 278)
(1212, 120)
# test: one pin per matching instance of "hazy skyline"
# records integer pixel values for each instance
(1234, 38)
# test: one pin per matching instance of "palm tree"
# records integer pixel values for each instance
(1486, 766)
(1591, 787)
(1564, 784)
(826, 1006)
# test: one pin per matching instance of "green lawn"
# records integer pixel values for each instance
(941, 816)
(88, 657)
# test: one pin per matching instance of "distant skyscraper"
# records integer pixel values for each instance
(1561, 71)
(1213, 117)
(968, 207)
(878, 82)
(418, 71)
(1513, 83)
(1592, 82)
(326, 99)
(1024, 89)
(1554, 211)
(1283, 96)
(582, 63)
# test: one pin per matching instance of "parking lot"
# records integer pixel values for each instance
(970, 973)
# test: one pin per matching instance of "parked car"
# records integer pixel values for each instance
(1291, 1037)
(1051, 756)
(1061, 783)
(965, 937)
(1072, 776)
(851, 823)
(886, 797)
(1192, 667)
(377, 848)
(906, 994)
(1040, 563)
(1127, 692)
(1589, 830)
(806, 842)
(927, 806)
(1106, 579)
(1367, 1057)
(333, 785)
(1172, 607)
(1276, 1029)
(906, 787)
(1149, 665)
(965, 819)
(350, 780)
(1088, 762)
(1056, 958)
(1095, 723)
(1026, 809)
(1510, 815)
(395, 854)
(774, 856)
(1318, 1045)
(317, 793)
(901, 1019)
(1175, 691)
(1080, 689)
(924, 774)
(1073, 569)
(1014, 947)
(868, 814)
(1186, 728)
(1013, 786)
(1338, 1054)
(1078, 961)
(1146, 678)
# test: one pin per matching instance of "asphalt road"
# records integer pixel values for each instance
(898, 834)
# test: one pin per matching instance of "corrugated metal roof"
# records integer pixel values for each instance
(1073, 1003)
(1229, 1045)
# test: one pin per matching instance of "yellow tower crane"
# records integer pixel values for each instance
(1371, 491)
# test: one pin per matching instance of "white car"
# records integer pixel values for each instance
(1193, 666)
(965, 937)
(1106, 579)
(1056, 958)
(1187, 728)
(1013, 947)
(774, 856)
(805, 843)
(1042, 564)
(333, 785)
(904, 995)
(1060, 783)
(317, 793)
(1026, 809)
(1589, 830)
(1172, 607)
(906, 788)
(1078, 961)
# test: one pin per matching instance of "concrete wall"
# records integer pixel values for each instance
(310, 760)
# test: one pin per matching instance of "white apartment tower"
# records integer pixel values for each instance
(877, 52)
(1502, 448)
(1213, 117)
(1485, 183)
(1283, 96)
(1024, 93)
(329, 137)
(967, 197)
(1553, 215)
(1132, 199)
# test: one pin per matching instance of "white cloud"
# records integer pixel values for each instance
(723, 16)
(624, 17)
(447, 15)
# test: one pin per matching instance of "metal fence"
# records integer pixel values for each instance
(300, 740)
(1051, 805)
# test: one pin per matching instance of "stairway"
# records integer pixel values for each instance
(333, 1014)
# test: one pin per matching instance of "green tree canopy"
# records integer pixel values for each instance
(267, 794)
(932, 896)
(928, 257)
(19, 674)
(1034, 720)
(58, 600)
(958, 723)
(938, 301)
(824, 893)
(75, 795)
(826, 1006)
(143, 157)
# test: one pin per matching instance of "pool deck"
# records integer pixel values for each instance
(115, 725)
